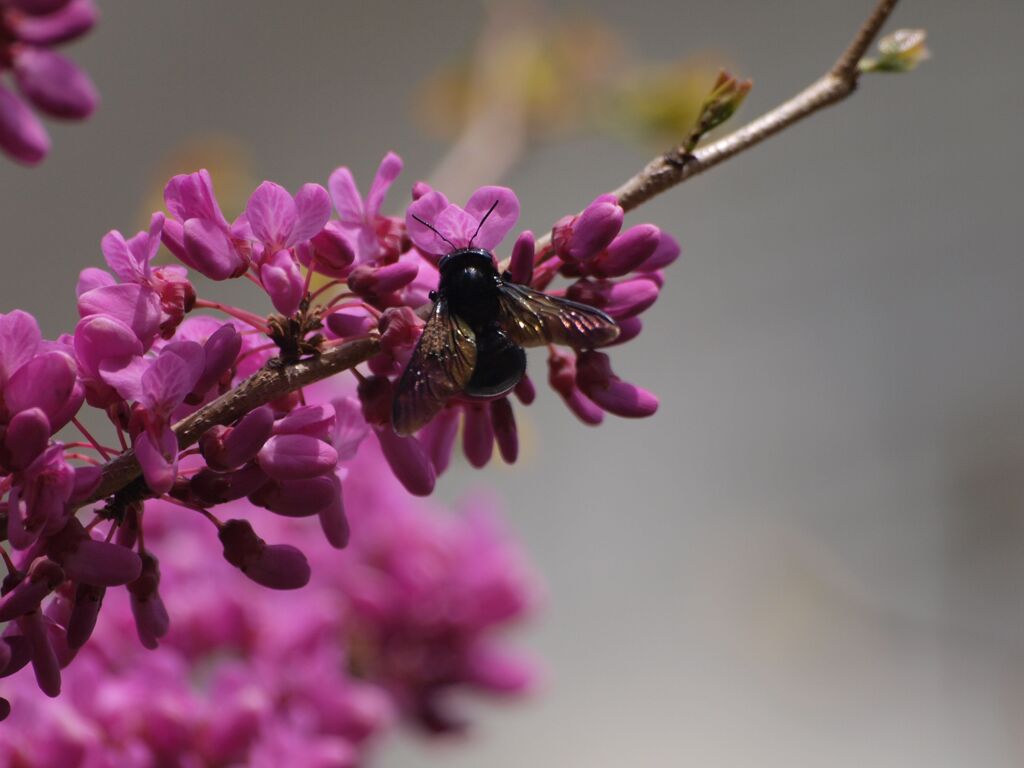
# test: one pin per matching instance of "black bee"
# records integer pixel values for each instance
(472, 344)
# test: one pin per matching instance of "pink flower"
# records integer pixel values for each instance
(158, 387)
(51, 82)
(280, 222)
(457, 226)
(197, 232)
(360, 225)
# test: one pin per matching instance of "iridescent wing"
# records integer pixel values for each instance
(439, 368)
(532, 319)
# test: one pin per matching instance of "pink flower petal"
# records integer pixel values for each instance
(272, 214)
(667, 252)
(19, 340)
(501, 219)
(505, 432)
(521, 264)
(345, 195)
(210, 250)
(283, 282)
(45, 382)
(170, 377)
(54, 83)
(26, 437)
(22, 136)
(457, 225)
(119, 257)
(124, 375)
(137, 306)
(388, 171)
(39, 7)
(313, 209)
(191, 196)
(297, 498)
(333, 520)
(93, 277)
(67, 23)
(313, 420)
(478, 435)
(350, 428)
(408, 460)
(294, 457)
(428, 208)
(159, 460)
(99, 338)
(332, 250)
(438, 437)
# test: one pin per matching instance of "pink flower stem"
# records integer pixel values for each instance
(326, 287)
(201, 510)
(92, 440)
(253, 351)
(80, 444)
(8, 562)
(82, 457)
(120, 438)
(339, 297)
(248, 318)
(309, 277)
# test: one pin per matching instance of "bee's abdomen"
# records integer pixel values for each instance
(500, 364)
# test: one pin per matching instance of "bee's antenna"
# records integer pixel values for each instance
(489, 211)
(434, 230)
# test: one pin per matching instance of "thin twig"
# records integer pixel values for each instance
(264, 386)
(675, 167)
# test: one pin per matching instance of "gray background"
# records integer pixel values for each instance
(814, 553)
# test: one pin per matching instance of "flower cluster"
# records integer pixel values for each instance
(311, 678)
(50, 82)
(148, 353)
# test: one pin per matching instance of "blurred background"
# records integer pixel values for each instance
(814, 552)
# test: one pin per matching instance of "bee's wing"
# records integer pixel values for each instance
(532, 319)
(440, 367)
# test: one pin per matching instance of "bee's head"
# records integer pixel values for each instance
(467, 257)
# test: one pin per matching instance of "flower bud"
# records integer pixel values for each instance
(331, 251)
(438, 438)
(627, 251)
(505, 433)
(212, 488)
(595, 378)
(583, 237)
(26, 437)
(43, 577)
(477, 434)
(367, 280)
(295, 457)
(44, 659)
(54, 83)
(88, 601)
(22, 135)
(520, 265)
(296, 498)
(88, 561)
(230, 448)
(350, 321)
(408, 460)
(312, 420)
(278, 566)
(151, 619)
(333, 520)
(220, 352)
